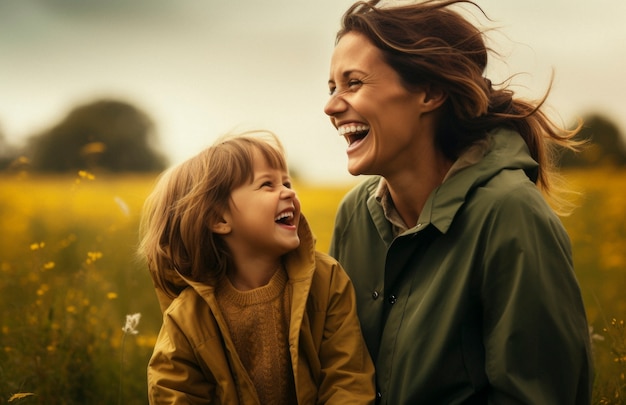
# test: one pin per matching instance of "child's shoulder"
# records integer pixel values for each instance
(184, 302)
(325, 262)
(330, 283)
(328, 268)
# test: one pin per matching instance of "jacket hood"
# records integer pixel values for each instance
(300, 264)
(506, 150)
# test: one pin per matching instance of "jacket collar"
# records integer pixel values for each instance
(299, 264)
(503, 149)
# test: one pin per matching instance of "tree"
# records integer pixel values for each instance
(105, 134)
(605, 145)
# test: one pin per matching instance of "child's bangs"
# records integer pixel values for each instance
(241, 151)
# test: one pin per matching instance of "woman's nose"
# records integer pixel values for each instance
(334, 105)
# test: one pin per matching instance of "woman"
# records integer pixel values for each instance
(465, 285)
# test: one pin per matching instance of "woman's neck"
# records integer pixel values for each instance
(410, 189)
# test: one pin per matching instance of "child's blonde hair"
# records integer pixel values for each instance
(175, 225)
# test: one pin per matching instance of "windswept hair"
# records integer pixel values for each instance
(175, 228)
(428, 43)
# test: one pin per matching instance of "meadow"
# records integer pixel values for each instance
(69, 278)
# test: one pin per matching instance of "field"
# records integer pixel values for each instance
(69, 278)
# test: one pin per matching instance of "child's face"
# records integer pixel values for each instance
(264, 214)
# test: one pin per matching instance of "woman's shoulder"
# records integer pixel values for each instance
(511, 188)
(511, 201)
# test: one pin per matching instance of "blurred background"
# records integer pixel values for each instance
(98, 96)
(198, 69)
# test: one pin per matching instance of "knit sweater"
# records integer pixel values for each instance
(258, 322)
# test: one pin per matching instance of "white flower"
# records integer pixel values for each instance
(131, 324)
(594, 336)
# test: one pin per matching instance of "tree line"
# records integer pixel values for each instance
(104, 135)
(116, 136)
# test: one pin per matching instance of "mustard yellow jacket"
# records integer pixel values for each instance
(195, 361)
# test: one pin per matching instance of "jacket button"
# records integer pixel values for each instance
(379, 395)
(392, 299)
(375, 295)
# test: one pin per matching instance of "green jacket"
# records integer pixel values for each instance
(195, 361)
(478, 303)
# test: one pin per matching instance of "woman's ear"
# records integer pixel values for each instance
(434, 97)
(221, 226)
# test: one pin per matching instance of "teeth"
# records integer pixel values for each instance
(352, 129)
(283, 216)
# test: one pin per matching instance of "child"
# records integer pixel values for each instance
(252, 313)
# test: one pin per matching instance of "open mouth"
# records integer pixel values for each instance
(285, 218)
(354, 133)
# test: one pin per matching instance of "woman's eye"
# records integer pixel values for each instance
(350, 85)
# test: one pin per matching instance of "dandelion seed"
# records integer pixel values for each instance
(129, 329)
(131, 324)
(122, 205)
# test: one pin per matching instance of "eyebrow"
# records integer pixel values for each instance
(270, 176)
(347, 74)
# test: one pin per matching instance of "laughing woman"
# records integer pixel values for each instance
(463, 272)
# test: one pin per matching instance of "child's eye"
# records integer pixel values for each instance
(287, 184)
(266, 184)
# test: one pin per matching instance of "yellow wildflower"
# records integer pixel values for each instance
(83, 174)
(43, 289)
(93, 256)
(48, 266)
(37, 246)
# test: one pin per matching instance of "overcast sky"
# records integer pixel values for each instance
(201, 68)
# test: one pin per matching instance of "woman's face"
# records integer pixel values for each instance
(379, 118)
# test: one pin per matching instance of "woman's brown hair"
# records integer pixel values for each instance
(428, 43)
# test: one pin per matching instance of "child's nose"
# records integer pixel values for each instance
(288, 192)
